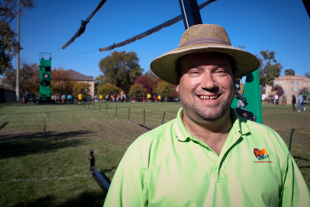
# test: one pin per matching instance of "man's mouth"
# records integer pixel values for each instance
(214, 97)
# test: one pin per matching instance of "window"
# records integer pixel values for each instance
(298, 89)
(293, 82)
(298, 82)
(293, 89)
(284, 82)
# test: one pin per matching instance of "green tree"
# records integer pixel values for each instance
(269, 68)
(80, 88)
(120, 69)
(29, 78)
(137, 89)
(289, 72)
(307, 74)
(165, 89)
(9, 46)
(108, 89)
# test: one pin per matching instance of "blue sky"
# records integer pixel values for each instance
(282, 26)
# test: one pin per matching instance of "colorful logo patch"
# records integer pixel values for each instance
(260, 154)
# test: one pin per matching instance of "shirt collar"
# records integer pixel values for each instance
(182, 134)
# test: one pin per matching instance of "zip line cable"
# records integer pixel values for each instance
(132, 39)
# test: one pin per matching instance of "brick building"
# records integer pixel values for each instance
(290, 85)
(79, 77)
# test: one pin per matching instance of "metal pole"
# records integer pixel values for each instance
(18, 56)
(190, 12)
(289, 148)
(129, 115)
(163, 118)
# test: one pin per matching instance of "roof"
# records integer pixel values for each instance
(79, 76)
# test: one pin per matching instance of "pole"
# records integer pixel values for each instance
(18, 55)
(289, 148)
(128, 115)
(190, 12)
(163, 118)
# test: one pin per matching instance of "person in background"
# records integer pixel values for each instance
(293, 102)
(300, 103)
(207, 155)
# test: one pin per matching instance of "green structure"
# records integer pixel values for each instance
(252, 105)
(45, 77)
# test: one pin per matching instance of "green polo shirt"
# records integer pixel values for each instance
(167, 166)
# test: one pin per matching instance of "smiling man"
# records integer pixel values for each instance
(207, 156)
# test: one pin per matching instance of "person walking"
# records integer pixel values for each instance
(300, 103)
(293, 102)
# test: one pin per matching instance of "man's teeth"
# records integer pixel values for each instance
(208, 97)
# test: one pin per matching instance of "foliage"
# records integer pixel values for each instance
(137, 89)
(146, 82)
(289, 72)
(307, 74)
(9, 46)
(61, 82)
(108, 89)
(80, 88)
(28, 78)
(269, 68)
(120, 69)
(165, 89)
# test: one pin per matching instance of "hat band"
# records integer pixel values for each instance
(205, 40)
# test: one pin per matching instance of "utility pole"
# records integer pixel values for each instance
(18, 57)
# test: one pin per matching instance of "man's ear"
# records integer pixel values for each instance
(177, 89)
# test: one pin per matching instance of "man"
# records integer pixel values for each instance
(300, 103)
(207, 156)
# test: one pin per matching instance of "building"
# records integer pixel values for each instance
(79, 77)
(289, 85)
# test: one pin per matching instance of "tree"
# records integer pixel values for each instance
(146, 82)
(9, 46)
(80, 88)
(289, 72)
(165, 89)
(269, 68)
(108, 89)
(120, 69)
(61, 82)
(29, 78)
(307, 74)
(137, 89)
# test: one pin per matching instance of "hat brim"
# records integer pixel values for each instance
(164, 65)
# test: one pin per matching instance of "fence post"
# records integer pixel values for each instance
(129, 115)
(289, 147)
(99, 108)
(106, 110)
(94, 105)
(144, 117)
(163, 118)
(115, 112)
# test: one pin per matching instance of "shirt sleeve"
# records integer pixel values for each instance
(127, 187)
(295, 191)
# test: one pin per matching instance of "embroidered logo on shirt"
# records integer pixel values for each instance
(261, 155)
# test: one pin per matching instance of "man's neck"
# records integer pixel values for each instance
(212, 133)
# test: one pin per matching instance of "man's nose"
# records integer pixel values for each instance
(208, 81)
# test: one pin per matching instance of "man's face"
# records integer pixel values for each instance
(206, 87)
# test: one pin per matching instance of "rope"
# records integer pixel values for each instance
(82, 28)
(151, 31)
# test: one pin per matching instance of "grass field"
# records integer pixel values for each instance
(44, 149)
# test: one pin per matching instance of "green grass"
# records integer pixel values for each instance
(44, 149)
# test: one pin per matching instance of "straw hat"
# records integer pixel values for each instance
(203, 38)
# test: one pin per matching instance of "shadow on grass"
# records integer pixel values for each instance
(297, 159)
(88, 199)
(15, 145)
